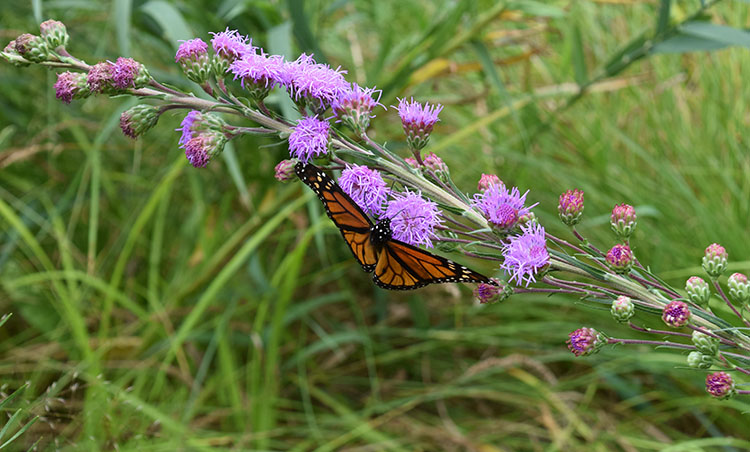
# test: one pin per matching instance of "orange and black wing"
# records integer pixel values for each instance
(344, 212)
(403, 267)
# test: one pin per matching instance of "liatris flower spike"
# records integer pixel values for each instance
(422, 207)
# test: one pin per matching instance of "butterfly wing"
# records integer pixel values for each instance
(352, 222)
(404, 267)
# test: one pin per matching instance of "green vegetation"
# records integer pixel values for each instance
(161, 307)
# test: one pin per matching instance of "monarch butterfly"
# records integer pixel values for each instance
(395, 265)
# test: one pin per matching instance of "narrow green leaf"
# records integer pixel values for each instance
(663, 20)
(121, 12)
(719, 33)
(173, 25)
(577, 57)
(233, 165)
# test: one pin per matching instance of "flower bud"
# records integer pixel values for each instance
(33, 48)
(705, 344)
(101, 78)
(676, 314)
(11, 55)
(698, 291)
(200, 149)
(486, 180)
(623, 220)
(488, 293)
(193, 57)
(137, 120)
(620, 258)
(71, 85)
(698, 360)
(585, 341)
(436, 164)
(284, 170)
(418, 121)
(354, 107)
(412, 162)
(570, 207)
(720, 385)
(739, 288)
(715, 260)
(54, 33)
(128, 73)
(529, 217)
(622, 309)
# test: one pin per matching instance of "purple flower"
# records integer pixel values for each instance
(309, 138)
(620, 258)
(187, 126)
(258, 72)
(570, 207)
(100, 77)
(720, 385)
(284, 170)
(193, 49)
(71, 85)
(525, 254)
(200, 149)
(307, 80)
(623, 220)
(231, 45)
(501, 207)
(138, 119)
(354, 106)
(585, 341)
(492, 293)
(418, 120)
(487, 180)
(128, 73)
(366, 187)
(413, 218)
(676, 314)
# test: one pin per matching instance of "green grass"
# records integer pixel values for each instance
(158, 307)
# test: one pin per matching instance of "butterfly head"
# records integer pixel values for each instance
(381, 232)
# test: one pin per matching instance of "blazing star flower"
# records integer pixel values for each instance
(71, 85)
(308, 81)
(192, 49)
(715, 260)
(720, 385)
(435, 163)
(492, 293)
(284, 170)
(33, 48)
(526, 254)
(128, 73)
(192, 56)
(676, 314)
(585, 341)
(100, 78)
(309, 138)
(366, 187)
(258, 72)
(230, 45)
(200, 149)
(137, 120)
(570, 207)
(418, 121)
(411, 161)
(413, 218)
(187, 126)
(354, 106)
(623, 220)
(486, 180)
(620, 258)
(501, 207)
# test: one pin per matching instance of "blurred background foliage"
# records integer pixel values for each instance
(160, 307)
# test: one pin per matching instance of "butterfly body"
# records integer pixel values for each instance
(395, 265)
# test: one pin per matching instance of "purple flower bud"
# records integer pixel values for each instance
(487, 180)
(200, 149)
(705, 344)
(33, 48)
(623, 220)
(137, 120)
(196, 122)
(284, 170)
(676, 314)
(436, 164)
(620, 258)
(585, 341)
(54, 32)
(418, 121)
(309, 139)
(366, 187)
(526, 255)
(258, 73)
(698, 291)
(622, 309)
(489, 293)
(229, 46)
(11, 54)
(354, 106)
(313, 84)
(570, 207)
(128, 73)
(71, 85)
(411, 161)
(739, 288)
(192, 56)
(715, 260)
(413, 218)
(720, 385)
(501, 207)
(101, 78)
